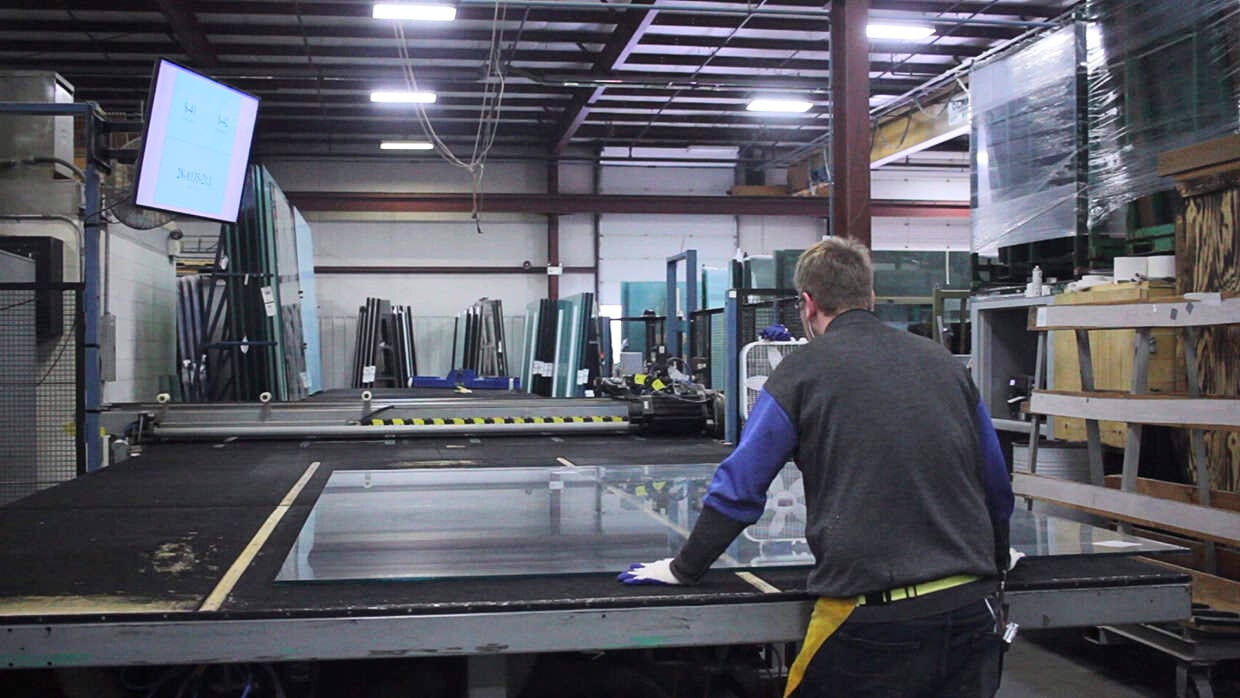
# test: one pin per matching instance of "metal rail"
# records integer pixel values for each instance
(214, 638)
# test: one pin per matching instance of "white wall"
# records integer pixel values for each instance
(141, 293)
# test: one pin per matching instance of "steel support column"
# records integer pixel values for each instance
(92, 302)
(553, 233)
(850, 121)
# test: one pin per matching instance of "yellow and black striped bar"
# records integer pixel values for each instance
(478, 421)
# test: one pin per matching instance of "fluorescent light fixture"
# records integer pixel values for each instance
(390, 97)
(907, 32)
(415, 11)
(786, 106)
(405, 145)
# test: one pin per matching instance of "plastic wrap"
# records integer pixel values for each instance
(1163, 74)
(1026, 143)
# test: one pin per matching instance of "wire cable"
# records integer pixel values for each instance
(494, 84)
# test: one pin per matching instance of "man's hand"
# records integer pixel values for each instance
(659, 572)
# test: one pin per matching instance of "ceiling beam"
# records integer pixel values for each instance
(322, 54)
(797, 45)
(942, 26)
(131, 30)
(188, 33)
(632, 25)
(369, 31)
(273, 73)
(563, 204)
(341, 56)
(915, 129)
(362, 10)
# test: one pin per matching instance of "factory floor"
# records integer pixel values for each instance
(1062, 663)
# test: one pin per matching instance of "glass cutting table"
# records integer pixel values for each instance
(411, 524)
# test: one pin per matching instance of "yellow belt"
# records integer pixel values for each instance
(910, 592)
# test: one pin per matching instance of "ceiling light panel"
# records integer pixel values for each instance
(398, 97)
(781, 106)
(405, 145)
(415, 12)
(905, 32)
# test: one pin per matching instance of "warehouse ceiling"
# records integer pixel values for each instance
(635, 73)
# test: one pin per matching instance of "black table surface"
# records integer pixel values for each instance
(164, 527)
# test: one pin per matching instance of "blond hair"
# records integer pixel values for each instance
(837, 274)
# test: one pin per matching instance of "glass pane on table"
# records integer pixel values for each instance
(487, 522)
(483, 522)
(1038, 535)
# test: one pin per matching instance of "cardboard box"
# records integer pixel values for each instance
(1111, 352)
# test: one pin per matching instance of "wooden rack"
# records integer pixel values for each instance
(1137, 408)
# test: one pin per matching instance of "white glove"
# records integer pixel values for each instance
(659, 572)
(1014, 556)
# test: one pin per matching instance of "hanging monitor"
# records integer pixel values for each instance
(196, 145)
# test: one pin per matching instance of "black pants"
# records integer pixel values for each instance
(957, 654)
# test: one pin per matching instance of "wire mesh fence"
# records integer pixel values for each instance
(760, 309)
(41, 387)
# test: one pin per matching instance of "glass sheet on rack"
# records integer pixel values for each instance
(492, 522)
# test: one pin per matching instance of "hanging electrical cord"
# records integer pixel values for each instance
(489, 111)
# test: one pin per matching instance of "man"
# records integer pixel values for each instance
(907, 498)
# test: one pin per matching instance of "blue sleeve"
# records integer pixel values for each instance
(995, 480)
(738, 489)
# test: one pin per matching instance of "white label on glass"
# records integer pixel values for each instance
(583, 376)
(269, 301)
(368, 374)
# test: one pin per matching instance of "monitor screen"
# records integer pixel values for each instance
(196, 145)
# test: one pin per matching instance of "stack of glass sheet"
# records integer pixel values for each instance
(384, 353)
(199, 323)
(562, 353)
(478, 342)
(241, 326)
